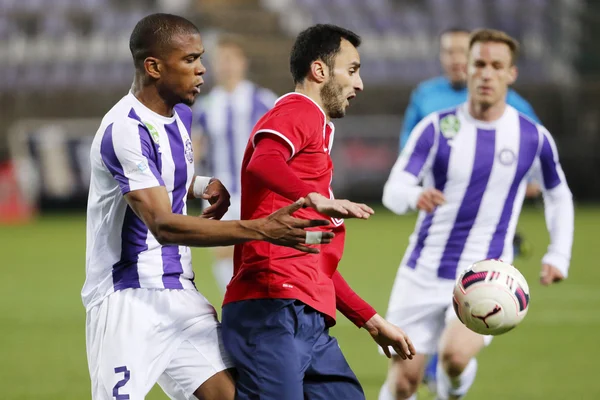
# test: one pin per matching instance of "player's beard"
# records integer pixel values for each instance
(331, 95)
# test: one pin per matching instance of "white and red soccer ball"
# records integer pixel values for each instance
(491, 297)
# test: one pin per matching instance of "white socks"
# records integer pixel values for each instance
(458, 386)
(223, 271)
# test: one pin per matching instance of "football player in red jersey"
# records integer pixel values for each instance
(280, 303)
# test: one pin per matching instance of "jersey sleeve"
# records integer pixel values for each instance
(129, 155)
(402, 190)
(350, 304)
(550, 169)
(558, 205)
(295, 127)
(270, 155)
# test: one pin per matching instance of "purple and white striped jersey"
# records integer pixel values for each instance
(482, 169)
(228, 119)
(135, 148)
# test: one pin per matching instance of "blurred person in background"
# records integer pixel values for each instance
(450, 90)
(466, 170)
(224, 119)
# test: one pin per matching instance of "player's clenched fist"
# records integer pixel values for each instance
(219, 199)
(282, 229)
(429, 199)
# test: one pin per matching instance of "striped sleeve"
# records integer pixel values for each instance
(402, 190)
(558, 205)
(551, 170)
(130, 156)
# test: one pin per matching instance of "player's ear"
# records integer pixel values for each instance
(152, 67)
(513, 73)
(319, 71)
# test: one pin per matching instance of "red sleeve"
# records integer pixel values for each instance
(349, 303)
(296, 124)
(271, 154)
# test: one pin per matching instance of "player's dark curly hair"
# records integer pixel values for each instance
(152, 35)
(319, 42)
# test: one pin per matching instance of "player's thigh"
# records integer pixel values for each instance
(200, 363)
(404, 376)
(458, 345)
(259, 336)
(329, 376)
(192, 372)
(220, 386)
(121, 365)
(419, 309)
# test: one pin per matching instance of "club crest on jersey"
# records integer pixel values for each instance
(449, 126)
(153, 132)
(189, 151)
(507, 157)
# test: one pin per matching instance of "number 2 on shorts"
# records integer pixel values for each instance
(126, 375)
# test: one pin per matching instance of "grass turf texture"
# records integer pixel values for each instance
(552, 355)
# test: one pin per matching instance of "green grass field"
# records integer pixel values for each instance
(553, 355)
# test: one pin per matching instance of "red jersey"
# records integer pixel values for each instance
(264, 270)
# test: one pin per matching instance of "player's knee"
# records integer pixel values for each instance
(405, 386)
(454, 362)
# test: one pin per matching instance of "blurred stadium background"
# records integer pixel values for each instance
(64, 63)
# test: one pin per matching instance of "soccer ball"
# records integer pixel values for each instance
(491, 297)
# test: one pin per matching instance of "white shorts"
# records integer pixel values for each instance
(138, 337)
(422, 309)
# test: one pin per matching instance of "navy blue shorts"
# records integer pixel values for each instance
(282, 351)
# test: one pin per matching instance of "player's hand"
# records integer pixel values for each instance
(429, 199)
(533, 190)
(550, 275)
(386, 334)
(218, 197)
(282, 229)
(338, 208)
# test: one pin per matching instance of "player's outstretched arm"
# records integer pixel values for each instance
(364, 316)
(153, 207)
(559, 211)
(402, 192)
(270, 154)
(337, 208)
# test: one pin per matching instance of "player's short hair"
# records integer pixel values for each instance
(493, 35)
(319, 42)
(152, 35)
(454, 29)
(231, 40)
